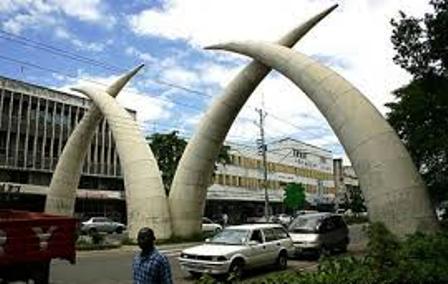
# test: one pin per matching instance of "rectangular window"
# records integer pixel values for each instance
(234, 181)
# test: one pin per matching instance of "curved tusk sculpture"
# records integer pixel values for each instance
(64, 183)
(145, 196)
(193, 175)
(394, 191)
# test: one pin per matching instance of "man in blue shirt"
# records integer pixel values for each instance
(149, 265)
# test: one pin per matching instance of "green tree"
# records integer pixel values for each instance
(168, 149)
(420, 112)
(294, 197)
(355, 200)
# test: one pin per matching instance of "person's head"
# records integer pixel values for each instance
(146, 238)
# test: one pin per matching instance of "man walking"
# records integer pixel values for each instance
(149, 265)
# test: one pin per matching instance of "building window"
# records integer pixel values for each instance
(323, 160)
(298, 154)
(234, 181)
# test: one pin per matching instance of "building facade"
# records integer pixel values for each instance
(345, 180)
(35, 123)
(238, 188)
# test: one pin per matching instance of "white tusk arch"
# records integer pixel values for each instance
(194, 172)
(145, 195)
(394, 191)
(64, 183)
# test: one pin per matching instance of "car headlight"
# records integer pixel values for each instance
(184, 255)
(220, 258)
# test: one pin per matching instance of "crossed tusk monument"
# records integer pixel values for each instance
(394, 191)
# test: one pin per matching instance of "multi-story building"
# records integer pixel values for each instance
(345, 181)
(35, 123)
(238, 188)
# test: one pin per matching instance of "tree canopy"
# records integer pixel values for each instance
(420, 112)
(168, 149)
(294, 197)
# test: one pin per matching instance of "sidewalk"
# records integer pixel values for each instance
(126, 249)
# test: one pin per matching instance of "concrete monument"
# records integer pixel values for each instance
(195, 169)
(394, 191)
(145, 196)
(62, 193)
(146, 202)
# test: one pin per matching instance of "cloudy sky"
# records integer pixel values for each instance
(60, 44)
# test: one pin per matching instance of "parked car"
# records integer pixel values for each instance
(303, 212)
(340, 211)
(208, 226)
(101, 224)
(238, 248)
(319, 233)
(282, 218)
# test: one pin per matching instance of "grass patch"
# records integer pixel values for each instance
(87, 247)
(173, 240)
(355, 219)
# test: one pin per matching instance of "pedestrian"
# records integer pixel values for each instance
(225, 219)
(150, 266)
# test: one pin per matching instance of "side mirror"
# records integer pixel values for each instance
(252, 243)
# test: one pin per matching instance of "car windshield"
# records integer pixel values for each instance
(230, 237)
(304, 224)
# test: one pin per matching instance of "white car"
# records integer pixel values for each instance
(208, 226)
(237, 248)
(102, 224)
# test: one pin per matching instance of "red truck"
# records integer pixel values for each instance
(30, 240)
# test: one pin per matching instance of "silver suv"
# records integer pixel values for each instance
(237, 248)
(102, 224)
(319, 233)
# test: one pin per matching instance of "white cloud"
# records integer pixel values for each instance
(79, 44)
(354, 40)
(180, 76)
(149, 108)
(37, 13)
(84, 10)
(145, 56)
(357, 33)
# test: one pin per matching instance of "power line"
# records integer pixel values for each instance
(54, 71)
(73, 56)
(68, 54)
(98, 63)
(56, 50)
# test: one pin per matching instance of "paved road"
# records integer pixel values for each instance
(114, 266)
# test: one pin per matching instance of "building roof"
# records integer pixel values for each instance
(255, 226)
(301, 142)
(39, 90)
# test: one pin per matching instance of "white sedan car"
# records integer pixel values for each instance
(237, 248)
(208, 226)
(102, 224)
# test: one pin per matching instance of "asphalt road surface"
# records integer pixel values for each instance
(114, 266)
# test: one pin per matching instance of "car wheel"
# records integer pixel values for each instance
(344, 245)
(236, 270)
(282, 261)
(119, 230)
(217, 230)
(195, 275)
(92, 231)
(323, 251)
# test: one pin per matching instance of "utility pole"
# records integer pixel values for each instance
(261, 145)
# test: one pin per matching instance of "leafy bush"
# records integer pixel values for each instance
(419, 258)
(356, 219)
(97, 238)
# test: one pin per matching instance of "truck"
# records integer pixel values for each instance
(30, 240)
